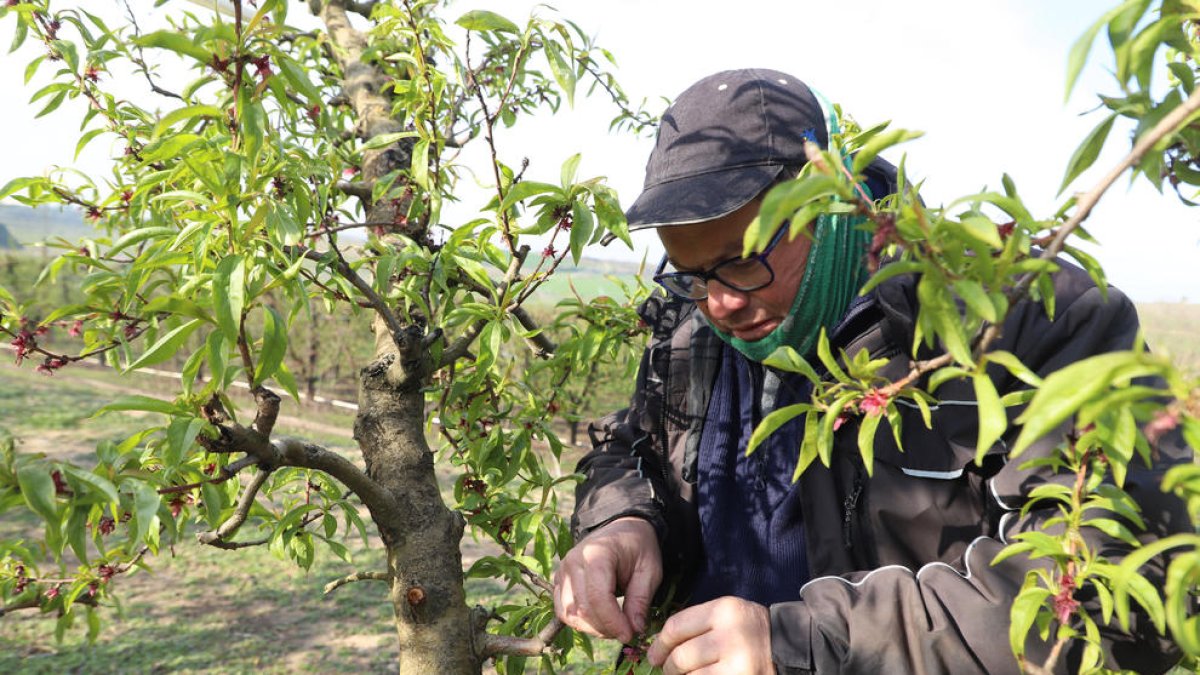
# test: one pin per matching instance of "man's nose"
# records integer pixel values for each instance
(724, 301)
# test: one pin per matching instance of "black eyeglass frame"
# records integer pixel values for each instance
(714, 271)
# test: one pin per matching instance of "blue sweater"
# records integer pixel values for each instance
(750, 520)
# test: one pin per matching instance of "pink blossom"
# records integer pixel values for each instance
(1065, 603)
(874, 402)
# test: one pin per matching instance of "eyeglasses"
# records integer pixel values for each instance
(740, 274)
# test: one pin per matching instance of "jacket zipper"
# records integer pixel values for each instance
(848, 511)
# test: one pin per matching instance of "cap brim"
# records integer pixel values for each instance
(697, 199)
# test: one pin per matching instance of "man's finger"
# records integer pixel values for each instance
(600, 599)
(691, 656)
(638, 594)
(680, 628)
(568, 609)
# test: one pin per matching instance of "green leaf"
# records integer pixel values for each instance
(526, 189)
(1024, 612)
(174, 304)
(181, 114)
(99, 483)
(890, 270)
(298, 78)
(176, 42)
(288, 381)
(166, 347)
(229, 289)
(483, 20)
(581, 229)
(826, 357)
(981, 231)
(866, 440)
(76, 532)
(878, 144)
(145, 509)
(1066, 390)
(138, 402)
(275, 342)
(384, 140)
(789, 360)
(1087, 152)
(808, 445)
(771, 423)
(569, 169)
(420, 163)
(37, 489)
(1079, 50)
(87, 138)
(782, 202)
(992, 419)
(976, 298)
(1014, 366)
(564, 74)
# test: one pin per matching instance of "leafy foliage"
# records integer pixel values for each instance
(295, 173)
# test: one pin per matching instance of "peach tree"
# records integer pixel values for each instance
(297, 157)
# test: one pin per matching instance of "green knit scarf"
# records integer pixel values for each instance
(833, 274)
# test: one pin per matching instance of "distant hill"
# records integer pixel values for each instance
(29, 226)
(7, 241)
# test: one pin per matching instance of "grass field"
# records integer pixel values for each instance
(1174, 329)
(202, 609)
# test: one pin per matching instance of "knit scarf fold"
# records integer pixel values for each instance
(833, 274)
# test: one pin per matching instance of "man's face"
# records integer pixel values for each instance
(746, 315)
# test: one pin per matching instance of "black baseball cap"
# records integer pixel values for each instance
(722, 142)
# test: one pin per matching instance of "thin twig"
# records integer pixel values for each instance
(357, 576)
(227, 472)
(463, 343)
(140, 60)
(343, 268)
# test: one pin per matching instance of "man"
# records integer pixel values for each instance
(841, 571)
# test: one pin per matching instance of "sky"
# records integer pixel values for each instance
(983, 80)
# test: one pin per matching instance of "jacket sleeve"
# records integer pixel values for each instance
(944, 618)
(626, 473)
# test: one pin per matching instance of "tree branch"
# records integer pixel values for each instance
(362, 7)
(295, 452)
(491, 644)
(343, 268)
(357, 576)
(268, 410)
(363, 84)
(359, 189)
(35, 603)
(240, 513)
(227, 472)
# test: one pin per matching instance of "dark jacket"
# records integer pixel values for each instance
(900, 561)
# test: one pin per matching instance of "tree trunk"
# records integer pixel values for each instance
(433, 623)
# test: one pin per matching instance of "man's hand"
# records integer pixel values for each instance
(727, 636)
(620, 558)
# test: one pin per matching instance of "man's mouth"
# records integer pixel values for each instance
(754, 331)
